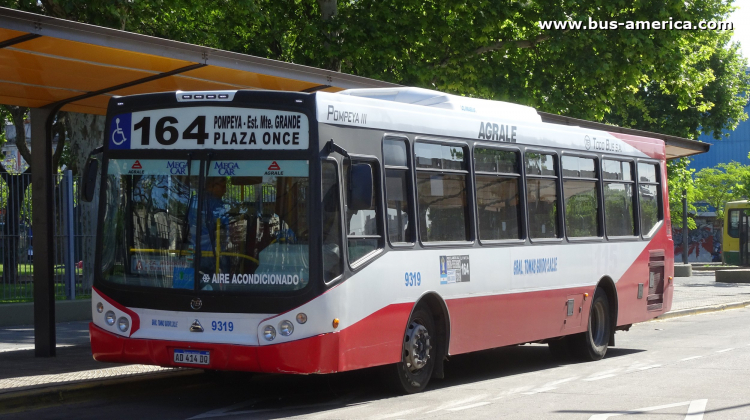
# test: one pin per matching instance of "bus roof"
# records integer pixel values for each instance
(675, 147)
(737, 204)
(433, 98)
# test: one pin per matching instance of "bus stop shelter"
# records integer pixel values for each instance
(50, 64)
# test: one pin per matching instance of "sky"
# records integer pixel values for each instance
(741, 20)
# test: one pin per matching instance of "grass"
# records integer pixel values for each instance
(24, 292)
(28, 270)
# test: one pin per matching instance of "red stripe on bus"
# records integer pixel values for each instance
(484, 322)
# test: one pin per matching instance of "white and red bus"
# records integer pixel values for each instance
(316, 233)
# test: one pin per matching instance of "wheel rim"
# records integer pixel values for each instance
(599, 325)
(416, 346)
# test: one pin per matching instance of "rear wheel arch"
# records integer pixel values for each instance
(441, 316)
(608, 285)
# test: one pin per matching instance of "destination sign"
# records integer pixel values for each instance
(210, 128)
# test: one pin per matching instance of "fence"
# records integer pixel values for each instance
(74, 239)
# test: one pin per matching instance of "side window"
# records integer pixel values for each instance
(619, 214)
(648, 196)
(397, 187)
(332, 265)
(442, 175)
(541, 195)
(498, 197)
(363, 225)
(733, 230)
(581, 195)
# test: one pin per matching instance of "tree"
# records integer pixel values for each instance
(680, 82)
(675, 82)
(4, 119)
(723, 183)
(17, 184)
(680, 179)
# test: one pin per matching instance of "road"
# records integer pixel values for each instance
(695, 367)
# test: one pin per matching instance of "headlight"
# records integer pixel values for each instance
(269, 332)
(286, 328)
(109, 317)
(99, 307)
(123, 324)
(301, 318)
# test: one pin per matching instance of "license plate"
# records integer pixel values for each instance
(192, 357)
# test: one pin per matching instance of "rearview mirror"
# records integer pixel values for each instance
(88, 180)
(359, 196)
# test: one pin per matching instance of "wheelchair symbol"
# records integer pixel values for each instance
(118, 131)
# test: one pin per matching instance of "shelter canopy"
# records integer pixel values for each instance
(45, 60)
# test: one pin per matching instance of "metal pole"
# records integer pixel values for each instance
(685, 229)
(70, 268)
(42, 189)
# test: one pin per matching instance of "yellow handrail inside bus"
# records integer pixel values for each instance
(203, 253)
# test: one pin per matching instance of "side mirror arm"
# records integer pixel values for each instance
(332, 147)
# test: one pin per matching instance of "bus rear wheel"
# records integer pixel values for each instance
(592, 344)
(413, 372)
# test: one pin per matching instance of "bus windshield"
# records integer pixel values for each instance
(243, 229)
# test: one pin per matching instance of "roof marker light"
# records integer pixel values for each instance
(223, 96)
(210, 96)
(187, 96)
(198, 96)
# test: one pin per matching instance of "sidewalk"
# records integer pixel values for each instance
(702, 290)
(22, 374)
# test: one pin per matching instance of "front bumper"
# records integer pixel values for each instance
(318, 354)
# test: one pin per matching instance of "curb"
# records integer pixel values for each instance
(702, 310)
(719, 268)
(22, 399)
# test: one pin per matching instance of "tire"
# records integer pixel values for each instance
(412, 373)
(592, 344)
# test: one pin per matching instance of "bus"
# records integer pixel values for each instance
(735, 247)
(324, 232)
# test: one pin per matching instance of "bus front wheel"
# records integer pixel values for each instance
(413, 372)
(592, 344)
